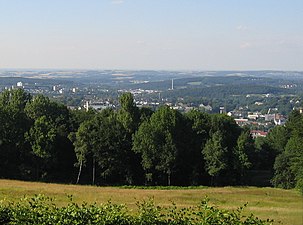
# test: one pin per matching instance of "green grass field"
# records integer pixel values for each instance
(284, 206)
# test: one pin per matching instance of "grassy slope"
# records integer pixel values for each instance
(281, 205)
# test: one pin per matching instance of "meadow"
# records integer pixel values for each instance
(284, 206)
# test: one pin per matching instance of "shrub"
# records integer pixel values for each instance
(42, 210)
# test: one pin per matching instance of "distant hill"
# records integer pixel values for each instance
(227, 90)
(13, 81)
(215, 81)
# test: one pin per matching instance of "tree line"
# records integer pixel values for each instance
(43, 140)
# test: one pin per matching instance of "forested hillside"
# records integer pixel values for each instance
(43, 140)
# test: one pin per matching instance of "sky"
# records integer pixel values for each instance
(152, 34)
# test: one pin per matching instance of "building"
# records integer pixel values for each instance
(258, 133)
(242, 122)
(19, 84)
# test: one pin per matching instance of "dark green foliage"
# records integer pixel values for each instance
(278, 138)
(131, 117)
(263, 157)
(299, 175)
(48, 138)
(145, 114)
(215, 155)
(241, 152)
(129, 114)
(284, 177)
(102, 143)
(227, 126)
(294, 123)
(200, 126)
(42, 140)
(41, 210)
(289, 163)
(41, 137)
(14, 123)
(33, 138)
(154, 141)
(224, 153)
(79, 116)
(161, 141)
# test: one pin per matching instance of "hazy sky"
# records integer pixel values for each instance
(152, 34)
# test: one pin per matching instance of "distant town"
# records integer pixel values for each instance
(257, 99)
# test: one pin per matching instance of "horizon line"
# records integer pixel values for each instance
(168, 70)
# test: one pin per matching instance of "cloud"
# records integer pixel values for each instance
(242, 28)
(117, 2)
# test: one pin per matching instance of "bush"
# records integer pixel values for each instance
(41, 210)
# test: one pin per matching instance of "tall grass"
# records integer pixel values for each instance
(278, 204)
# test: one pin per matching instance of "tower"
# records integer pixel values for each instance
(172, 84)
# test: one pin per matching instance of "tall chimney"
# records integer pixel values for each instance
(172, 84)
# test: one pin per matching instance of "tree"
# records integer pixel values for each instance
(299, 174)
(295, 123)
(215, 156)
(200, 126)
(224, 134)
(128, 114)
(79, 116)
(227, 126)
(111, 153)
(159, 143)
(264, 155)
(40, 106)
(278, 138)
(288, 165)
(241, 154)
(130, 117)
(283, 177)
(145, 114)
(49, 116)
(200, 123)
(14, 123)
(58, 113)
(82, 144)
(42, 136)
(101, 140)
